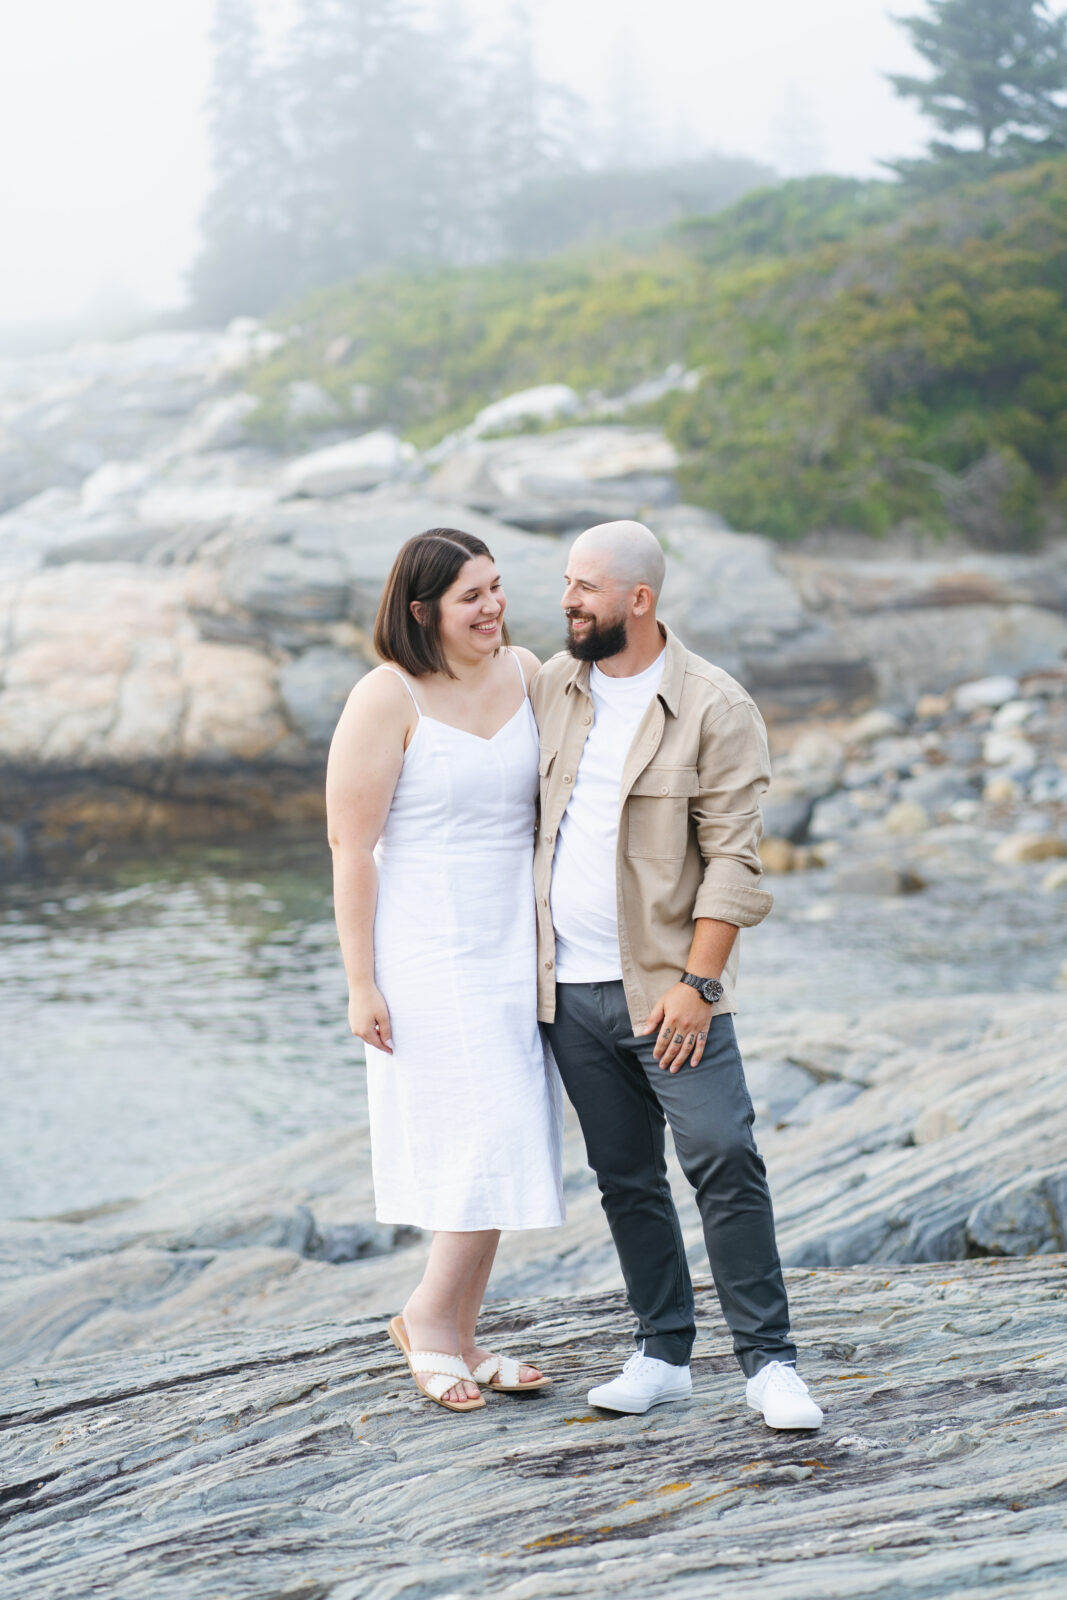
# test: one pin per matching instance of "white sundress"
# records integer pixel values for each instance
(466, 1114)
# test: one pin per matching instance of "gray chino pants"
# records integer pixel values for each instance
(624, 1099)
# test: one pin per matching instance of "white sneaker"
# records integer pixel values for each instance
(781, 1394)
(644, 1381)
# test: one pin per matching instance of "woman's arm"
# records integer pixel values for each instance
(366, 757)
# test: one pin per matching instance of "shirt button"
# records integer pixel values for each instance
(544, 902)
(567, 778)
(549, 837)
(549, 965)
(665, 790)
(587, 721)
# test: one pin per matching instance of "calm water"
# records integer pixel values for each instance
(189, 1008)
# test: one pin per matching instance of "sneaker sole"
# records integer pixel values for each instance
(637, 1410)
(784, 1427)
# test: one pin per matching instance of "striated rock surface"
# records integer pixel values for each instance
(924, 1131)
(299, 1462)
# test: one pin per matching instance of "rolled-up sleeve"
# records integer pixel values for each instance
(734, 771)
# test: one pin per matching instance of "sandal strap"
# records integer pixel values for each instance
(501, 1369)
(439, 1383)
(434, 1361)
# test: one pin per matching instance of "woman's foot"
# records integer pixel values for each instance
(445, 1341)
(474, 1355)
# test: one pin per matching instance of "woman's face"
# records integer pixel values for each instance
(472, 611)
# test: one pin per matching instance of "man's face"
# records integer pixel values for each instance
(595, 608)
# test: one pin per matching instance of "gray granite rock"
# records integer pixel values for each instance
(314, 687)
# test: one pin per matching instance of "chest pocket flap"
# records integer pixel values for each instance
(666, 781)
(657, 811)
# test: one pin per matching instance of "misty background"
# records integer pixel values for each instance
(105, 118)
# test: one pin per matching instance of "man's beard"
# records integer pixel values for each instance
(598, 641)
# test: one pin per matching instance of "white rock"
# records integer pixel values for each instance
(354, 464)
(1014, 714)
(906, 818)
(115, 480)
(875, 724)
(217, 425)
(1008, 750)
(985, 692)
(307, 402)
(1055, 879)
(545, 403)
(1022, 847)
(202, 506)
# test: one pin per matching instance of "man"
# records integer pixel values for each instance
(652, 766)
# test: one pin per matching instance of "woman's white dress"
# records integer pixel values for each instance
(466, 1114)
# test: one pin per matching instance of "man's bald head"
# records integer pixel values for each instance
(628, 551)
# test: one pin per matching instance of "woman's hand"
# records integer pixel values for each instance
(368, 1017)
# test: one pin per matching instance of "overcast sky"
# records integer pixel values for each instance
(103, 158)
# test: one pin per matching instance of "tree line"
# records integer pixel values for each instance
(381, 137)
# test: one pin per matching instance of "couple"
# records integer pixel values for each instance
(616, 927)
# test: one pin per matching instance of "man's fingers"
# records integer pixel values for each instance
(698, 1049)
(663, 1041)
(655, 1017)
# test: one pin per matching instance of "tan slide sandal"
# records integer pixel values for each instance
(445, 1371)
(502, 1373)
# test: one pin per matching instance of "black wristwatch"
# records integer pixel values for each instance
(709, 989)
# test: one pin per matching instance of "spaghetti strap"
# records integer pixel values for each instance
(407, 686)
(522, 675)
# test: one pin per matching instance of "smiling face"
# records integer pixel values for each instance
(595, 605)
(471, 612)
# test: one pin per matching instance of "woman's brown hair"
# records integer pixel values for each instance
(427, 565)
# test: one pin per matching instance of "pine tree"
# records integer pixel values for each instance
(999, 73)
(245, 264)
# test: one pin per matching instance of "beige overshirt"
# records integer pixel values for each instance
(689, 818)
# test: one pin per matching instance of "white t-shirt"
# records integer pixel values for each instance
(584, 904)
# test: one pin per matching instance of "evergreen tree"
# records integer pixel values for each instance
(246, 260)
(999, 72)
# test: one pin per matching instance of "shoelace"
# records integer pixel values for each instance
(639, 1366)
(782, 1376)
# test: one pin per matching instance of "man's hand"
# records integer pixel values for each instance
(368, 1017)
(681, 1018)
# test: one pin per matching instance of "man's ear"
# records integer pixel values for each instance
(418, 611)
(644, 600)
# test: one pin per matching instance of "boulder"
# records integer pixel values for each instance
(1019, 848)
(314, 687)
(1009, 750)
(545, 403)
(555, 482)
(354, 464)
(874, 878)
(777, 855)
(984, 693)
(874, 725)
(906, 818)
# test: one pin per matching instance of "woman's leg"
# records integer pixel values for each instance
(433, 1311)
(470, 1309)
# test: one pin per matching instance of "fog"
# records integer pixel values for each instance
(105, 162)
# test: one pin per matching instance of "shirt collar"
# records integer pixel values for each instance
(670, 689)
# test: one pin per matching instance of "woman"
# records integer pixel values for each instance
(430, 792)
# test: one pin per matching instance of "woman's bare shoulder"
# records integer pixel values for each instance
(530, 664)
